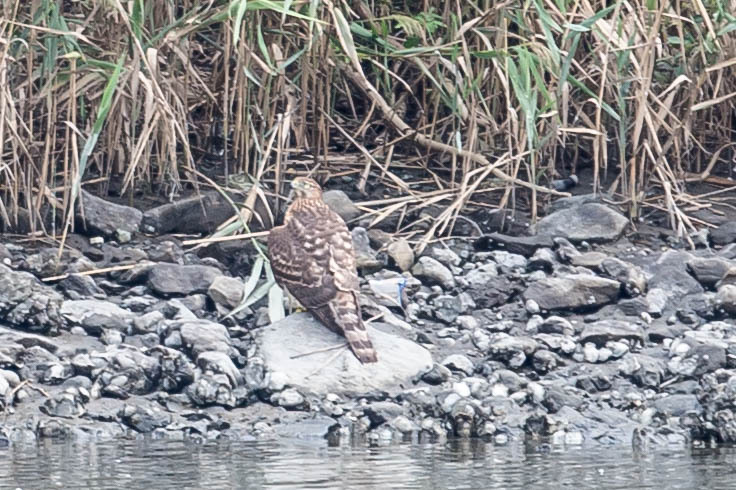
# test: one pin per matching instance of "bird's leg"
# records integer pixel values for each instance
(294, 305)
(326, 349)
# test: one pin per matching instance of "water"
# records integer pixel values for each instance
(306, 464)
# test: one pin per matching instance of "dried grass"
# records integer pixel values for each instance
(467, 93)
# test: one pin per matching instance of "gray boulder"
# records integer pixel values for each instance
(177, 279)
(27, 303)
(590, 222)
(105, 217)
(226, 291)
(434, 272)
(399, 360)
(604, 331)
(340, 203)
(203, 335)
(96, 315)
(573, 292)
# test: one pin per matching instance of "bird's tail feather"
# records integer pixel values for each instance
(342, 316)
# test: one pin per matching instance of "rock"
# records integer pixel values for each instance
(595, 382)
(220, 363)
(201, 213)
(604, 331)
(556, 325)
(365, 257)
(544, 361)
(289, 399)
(25, 340)
(669, 274)
(203, 335)
(656, 301)
(481, 276)
(521, 245)
(104, 217)
(148, 323)
(401, 253)
(173, 279)
(127, 371)
(5, 256)
(177, 371)
(315, 428)
(211, 389)
(631, 277)
(112, 337)
(445, 255)
(28, 304)
(572, 292)
(557, 397)
(508, 262)
(591, 260)
(402, 424)
(642, 369)
(708, 271)
(532, 307)
(65, 405)
(573, 201)
(96, 315)
(496, 292)
(143, 419)
(458, 362)
(77, 286)
(448, 308)
(379, 238)
(389, 292)
(511, 350)
(399, 360)
(724, 234)
(226, 291)
(340, 203)
(678, 405)
(701, 358)
(729, 277)
(725, 299)
(591, 222)
(565, 250)
(434, 272)
(123, 236)
(437, 375)
(165, 251)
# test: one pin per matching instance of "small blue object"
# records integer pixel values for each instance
(402, 285)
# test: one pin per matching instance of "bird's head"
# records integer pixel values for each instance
(305, 188)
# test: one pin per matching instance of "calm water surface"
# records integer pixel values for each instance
(312, 464)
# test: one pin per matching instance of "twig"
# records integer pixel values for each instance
(94, 271)
(240, 236)
(319, 351)
(327, 363)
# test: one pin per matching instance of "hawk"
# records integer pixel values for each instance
(312, 257)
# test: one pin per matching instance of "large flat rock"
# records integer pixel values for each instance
(399, 359)
(590, 222)
(105, 217)
(573, 292)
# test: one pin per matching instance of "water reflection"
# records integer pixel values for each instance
(312, 464)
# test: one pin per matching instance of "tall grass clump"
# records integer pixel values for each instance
(447, 103)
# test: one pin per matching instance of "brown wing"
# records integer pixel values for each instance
(312, 256)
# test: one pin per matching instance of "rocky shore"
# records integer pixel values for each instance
(571, 334)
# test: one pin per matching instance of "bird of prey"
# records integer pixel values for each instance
(312, 257)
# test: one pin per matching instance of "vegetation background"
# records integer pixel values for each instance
(447, 102)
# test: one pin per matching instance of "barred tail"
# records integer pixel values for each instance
(342, 316)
